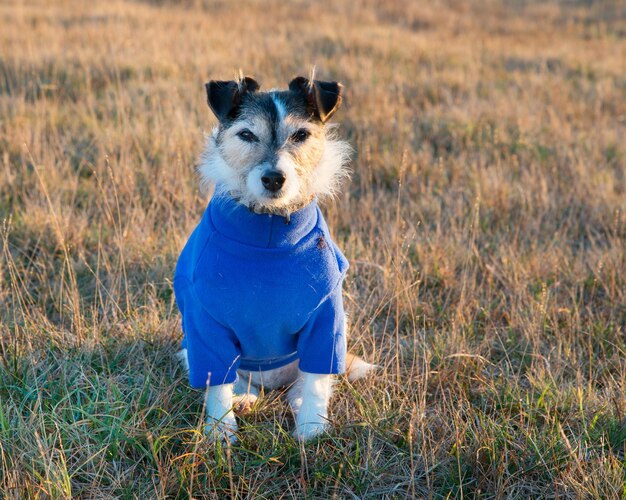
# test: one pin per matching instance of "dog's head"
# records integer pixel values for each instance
(274, 151)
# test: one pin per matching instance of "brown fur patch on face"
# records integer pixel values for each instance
(306, 155)
(240, 155)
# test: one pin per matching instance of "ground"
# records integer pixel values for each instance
(484, 222)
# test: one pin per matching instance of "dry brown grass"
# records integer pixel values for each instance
(485, 224)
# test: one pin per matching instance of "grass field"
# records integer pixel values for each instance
(485, 224)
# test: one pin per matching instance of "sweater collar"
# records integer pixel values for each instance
(237, 222)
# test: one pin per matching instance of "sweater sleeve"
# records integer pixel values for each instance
(213, 351)
(322, 342)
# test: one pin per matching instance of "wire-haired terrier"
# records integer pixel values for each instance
(259, 282)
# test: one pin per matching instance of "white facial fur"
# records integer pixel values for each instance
(313, 167)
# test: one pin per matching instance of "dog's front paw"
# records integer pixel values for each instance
(221, 430)
(310, 429)
(309, 397)
(311, 421)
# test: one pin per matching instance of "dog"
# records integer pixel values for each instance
(259, 282)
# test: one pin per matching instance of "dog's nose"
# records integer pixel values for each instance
(273, 180)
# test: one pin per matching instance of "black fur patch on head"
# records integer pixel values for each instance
(294, 103)
(260, 104)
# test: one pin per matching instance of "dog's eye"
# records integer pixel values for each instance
(300, 135)
(247, 136)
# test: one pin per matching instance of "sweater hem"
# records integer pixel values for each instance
(261, 365)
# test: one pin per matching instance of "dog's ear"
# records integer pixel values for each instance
(323, 98)
(224, 97)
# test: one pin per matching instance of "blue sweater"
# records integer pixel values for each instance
(257, 292)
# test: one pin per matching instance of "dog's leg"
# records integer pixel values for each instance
(221, 423)
(309, 398)
(294, 395)
(220, 420)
